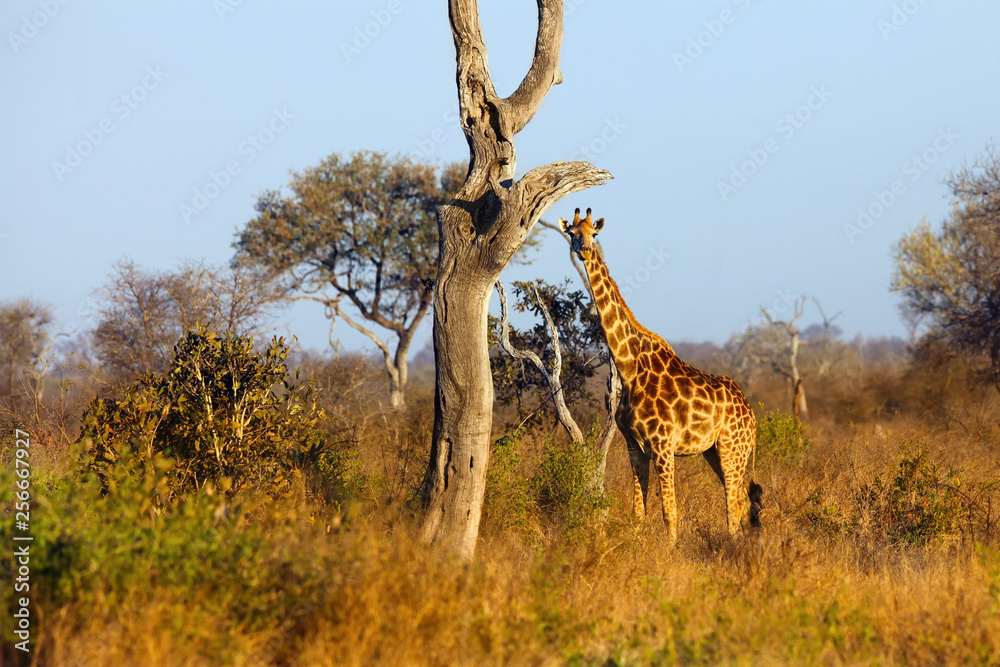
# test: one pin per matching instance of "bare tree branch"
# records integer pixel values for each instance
(552, 378)
(391, 368)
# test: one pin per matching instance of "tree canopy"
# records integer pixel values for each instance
(358, 231)
(953, 276)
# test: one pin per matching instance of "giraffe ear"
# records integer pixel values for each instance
(598, 225)
(564, 223)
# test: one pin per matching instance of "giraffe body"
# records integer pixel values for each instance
(669, 408)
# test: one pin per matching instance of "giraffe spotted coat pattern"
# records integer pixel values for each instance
(669, 408)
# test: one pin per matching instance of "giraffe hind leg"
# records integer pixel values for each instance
(730, 473)
(640, 477)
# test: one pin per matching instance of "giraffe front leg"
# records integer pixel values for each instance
(665, 470)
(640, 478)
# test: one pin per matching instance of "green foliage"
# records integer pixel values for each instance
(919, 504)
(362, 225)
(780, 436)
(222, 412)
(563, 487)
(340, 475)
(580, 337)
(101, 544)
(565, 484)
(509, 502)
(366, 215)
(358, 230)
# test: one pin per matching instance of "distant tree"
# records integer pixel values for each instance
(358, 231)
(142, 313)
(953, 276)
(777, 345)
(24, 337)
(824, 340)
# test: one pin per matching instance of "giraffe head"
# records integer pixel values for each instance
(582, 232)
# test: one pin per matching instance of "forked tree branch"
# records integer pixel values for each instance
(544, 73)
(531, 196)
(512, 114)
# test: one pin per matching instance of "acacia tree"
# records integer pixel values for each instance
(357, 231)
(480, 230)
(953, 276)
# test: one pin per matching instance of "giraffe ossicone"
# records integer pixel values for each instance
(669, 408)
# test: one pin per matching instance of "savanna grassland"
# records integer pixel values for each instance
(879, 542)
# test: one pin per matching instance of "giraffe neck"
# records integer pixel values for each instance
(620, 325)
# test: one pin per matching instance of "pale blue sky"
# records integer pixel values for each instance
(199, 81)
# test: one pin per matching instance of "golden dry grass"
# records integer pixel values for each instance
(297, 581)
(796, 592)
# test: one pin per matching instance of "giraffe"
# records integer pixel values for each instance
(668, 407)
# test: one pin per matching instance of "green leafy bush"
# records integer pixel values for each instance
(509, 502)
(101, 545)
(223, 413)
(565, 485)
(779, 435)
(919, 504)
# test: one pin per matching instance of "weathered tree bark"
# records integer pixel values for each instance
(479, 232)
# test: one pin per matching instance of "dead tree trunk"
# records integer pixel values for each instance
(479, 232)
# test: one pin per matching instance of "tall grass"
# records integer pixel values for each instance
(879, 545)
